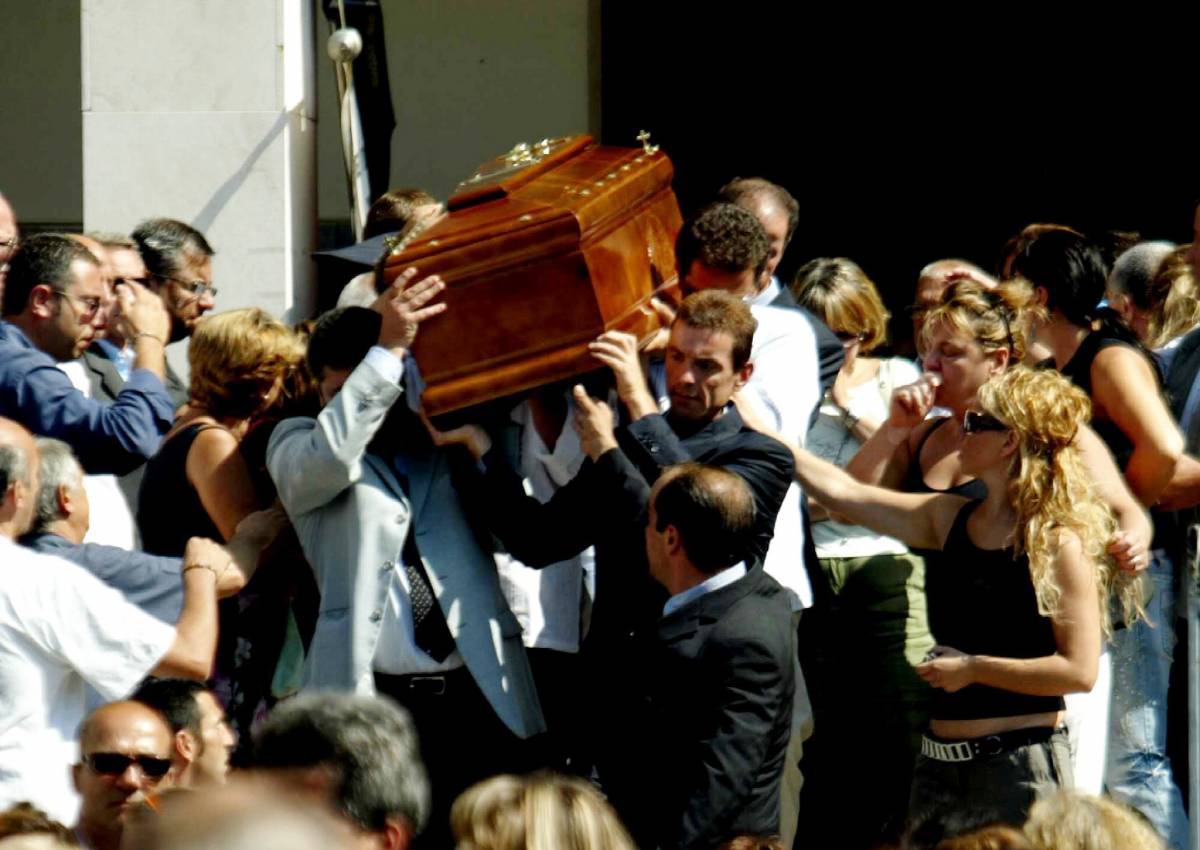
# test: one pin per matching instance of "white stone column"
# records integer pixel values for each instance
(203, 110)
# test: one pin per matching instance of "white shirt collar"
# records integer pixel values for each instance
(769, 293)
(716, 581)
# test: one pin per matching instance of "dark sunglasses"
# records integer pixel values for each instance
(974, 422)
(114, 764)
(846, 338)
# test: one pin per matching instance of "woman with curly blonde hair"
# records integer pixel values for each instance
(544, 811)
(1017, 594)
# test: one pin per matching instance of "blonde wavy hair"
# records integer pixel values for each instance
(1069, 820)
(542, 811)
(996, 317)
(1175, 296)
(1052, 490)
(239, 362)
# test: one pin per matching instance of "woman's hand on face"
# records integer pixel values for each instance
(947, 668)
(911, 404)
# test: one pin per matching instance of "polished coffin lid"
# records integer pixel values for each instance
(544, 249)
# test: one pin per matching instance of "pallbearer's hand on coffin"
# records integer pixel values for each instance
(619, 351)
(471, 437)
(403, 307)
(593, 423)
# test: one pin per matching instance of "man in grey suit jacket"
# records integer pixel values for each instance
(372, 501)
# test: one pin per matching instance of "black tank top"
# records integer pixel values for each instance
(982, 602)
(1079, 370)
(169, 508)
(914, 479)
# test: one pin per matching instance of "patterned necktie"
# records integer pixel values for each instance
(430, 631)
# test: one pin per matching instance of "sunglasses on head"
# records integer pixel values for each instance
(114, 764)
(974, 422)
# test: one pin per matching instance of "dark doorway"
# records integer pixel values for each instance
(905, 141)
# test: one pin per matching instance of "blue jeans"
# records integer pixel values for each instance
(1139, 771)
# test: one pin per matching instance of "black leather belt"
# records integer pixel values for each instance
(969, 749)
(424, 684)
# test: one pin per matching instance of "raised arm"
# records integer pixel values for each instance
(192, 651)
(884, 459)
(1124, 388)
(311, 462)
(111, 438)
(1071, 669)
(921, 520)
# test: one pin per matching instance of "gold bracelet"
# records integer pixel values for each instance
(141, 334)
(209, 567)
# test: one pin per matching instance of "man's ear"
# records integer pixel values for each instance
(1040, 295)
(66, 505)
(187, 746)
(672, 540)
(743, 375)
(396, 834)
(40, 301)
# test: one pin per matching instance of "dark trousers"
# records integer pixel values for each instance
(462, 741)
(560, 687)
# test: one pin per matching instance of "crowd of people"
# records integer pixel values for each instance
(757, 587)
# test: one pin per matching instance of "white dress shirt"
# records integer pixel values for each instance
(61, 628)
(715, 581)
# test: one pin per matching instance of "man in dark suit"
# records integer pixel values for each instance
(710, 751)
(779, 213)
(707, 360)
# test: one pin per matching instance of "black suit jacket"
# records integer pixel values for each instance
(710, 749)
(604, 506)
(1185, 365)
(830, 352)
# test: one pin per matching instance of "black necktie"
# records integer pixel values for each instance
(430, 631)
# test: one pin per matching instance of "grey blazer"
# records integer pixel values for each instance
(352, 515)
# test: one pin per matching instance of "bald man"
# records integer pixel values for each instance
(124, 755)
(61, 627)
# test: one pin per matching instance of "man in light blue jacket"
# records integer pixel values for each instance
(410, 601)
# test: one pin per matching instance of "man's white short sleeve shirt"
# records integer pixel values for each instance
(60, 627)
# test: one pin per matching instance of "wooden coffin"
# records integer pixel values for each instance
(542, 251)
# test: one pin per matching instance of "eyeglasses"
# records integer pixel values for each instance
(140, 281)
(91, 306)
(974, 422)
(114, 764)
(197, 288)
(848, 339)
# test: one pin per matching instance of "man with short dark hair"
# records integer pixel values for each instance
(54, 302)
(708, 359)
(359, 754)
(711, 751)
(724, 247)
(202, 738)
(124, 758)
(178, 263)
(410, 601)
(779, 213)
